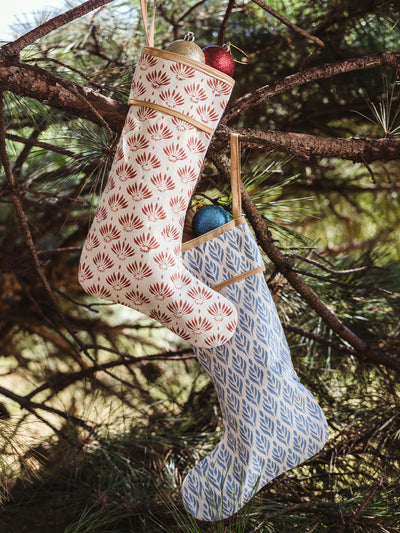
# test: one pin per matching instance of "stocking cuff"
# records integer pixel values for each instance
(182, 87)
(193, 243)
(224, 255)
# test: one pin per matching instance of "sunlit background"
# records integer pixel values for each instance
(17, 12)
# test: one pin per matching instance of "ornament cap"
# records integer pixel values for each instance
(189, 37)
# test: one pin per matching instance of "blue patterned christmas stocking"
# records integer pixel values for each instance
(271, 422)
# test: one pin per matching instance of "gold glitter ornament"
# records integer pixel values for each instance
(187, 47)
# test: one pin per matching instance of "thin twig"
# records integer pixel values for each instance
(32, 406)
(66, 249)
(61, 380)
(287, 22)
(224, 23)
(40, 144)
(314, 527)
(169, 15)
(343, 284)
(370, 171)
(46, 317)
(377, 485)
(189, 10)
(15, 47)
(24, 154)
(332, 271)
(318, 338)
(76, 91)
(179, 355)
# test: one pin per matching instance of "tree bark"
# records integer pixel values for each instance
(283, 265)
(306, 76)
(301, 144)
(34, 82)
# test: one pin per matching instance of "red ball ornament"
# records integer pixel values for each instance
(220, 58)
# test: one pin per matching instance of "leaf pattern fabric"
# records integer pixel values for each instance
(271, 422)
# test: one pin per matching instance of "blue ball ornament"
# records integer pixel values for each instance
(209, 217)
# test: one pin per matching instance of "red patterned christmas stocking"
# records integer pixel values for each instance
(132, 254)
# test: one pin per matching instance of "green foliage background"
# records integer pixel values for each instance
(115, 462)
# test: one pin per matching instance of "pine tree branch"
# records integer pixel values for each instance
(37, 83)
(289, 24)
(39, 144)
(34, 82)
(180, 355)
(328, 509)
(15, 47)
(305, 145)
(224, 23)
(33, 406)
(24, 227)
(321, 72)
(284, 266)
(364, 351)
(61, 380)
(21, 217)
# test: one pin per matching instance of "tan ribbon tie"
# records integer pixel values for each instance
(149, 31)
(172, 112)
(237, 278)
(235, 176)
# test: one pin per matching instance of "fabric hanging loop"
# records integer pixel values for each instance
(235, 176)
(148, 30)
(238, 218)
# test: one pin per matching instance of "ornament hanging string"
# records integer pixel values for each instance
(148, 30)
(229, 45)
